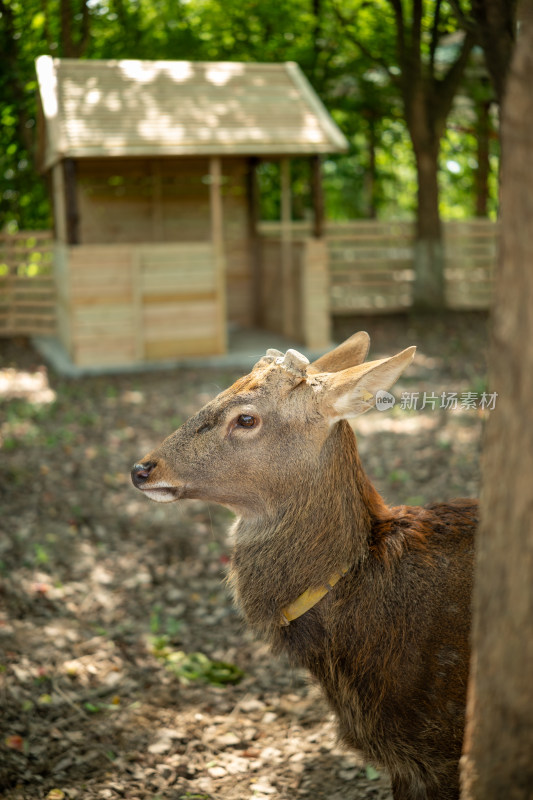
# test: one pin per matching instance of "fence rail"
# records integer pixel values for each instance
(470, 261)
(27, 292)
(371, 266)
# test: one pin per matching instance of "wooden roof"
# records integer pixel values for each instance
(141, 108)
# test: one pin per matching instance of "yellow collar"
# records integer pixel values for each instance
(309, 598)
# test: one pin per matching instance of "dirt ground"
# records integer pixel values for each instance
(105, 598)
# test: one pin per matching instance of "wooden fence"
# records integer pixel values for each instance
(371, 263)
(27, 293)
(371, 266)
(471, 256)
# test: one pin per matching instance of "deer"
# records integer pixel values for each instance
(373, 600)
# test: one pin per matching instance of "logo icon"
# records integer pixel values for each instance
(384, 400)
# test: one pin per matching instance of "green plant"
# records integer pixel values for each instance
(41, 555)
(155, 620)
(398, 476)
(162, 628)
(191, 667)
(92, 708)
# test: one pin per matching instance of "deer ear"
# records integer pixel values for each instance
(353, 391)
(348, 354)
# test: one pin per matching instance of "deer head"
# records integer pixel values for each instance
(250, 447)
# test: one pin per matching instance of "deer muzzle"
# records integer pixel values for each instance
(144, 477)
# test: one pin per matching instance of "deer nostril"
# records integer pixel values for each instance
(141, 472)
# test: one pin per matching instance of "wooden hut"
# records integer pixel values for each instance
(153, 175)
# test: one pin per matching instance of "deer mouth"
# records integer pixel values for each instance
(163, 494)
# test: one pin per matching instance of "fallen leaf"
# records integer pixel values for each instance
(252, 752)
(15, 742)
(371, 773)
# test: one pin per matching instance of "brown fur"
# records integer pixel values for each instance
(389, 643)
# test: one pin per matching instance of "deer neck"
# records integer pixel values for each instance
(320, 531)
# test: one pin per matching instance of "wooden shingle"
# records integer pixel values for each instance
(171, 108)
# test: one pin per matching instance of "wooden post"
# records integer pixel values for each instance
(71, 201)
(286, 249)
(59, 203)
(254, 243)
(11, 318)
(314, 295)
(217, 238)
(318, 197)
(157, 215)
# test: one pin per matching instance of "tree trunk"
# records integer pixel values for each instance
(481, 177)
(428, 290)
(496, 28)
(370, 181)
(74, 46)
(498, 760)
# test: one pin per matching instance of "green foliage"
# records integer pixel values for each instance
(195, 667)
(92, 708)
(23, 198)
(348, 52)
(190, 667)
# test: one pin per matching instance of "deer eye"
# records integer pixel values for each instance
(246, 421)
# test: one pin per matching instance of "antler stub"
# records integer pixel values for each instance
(294, 362)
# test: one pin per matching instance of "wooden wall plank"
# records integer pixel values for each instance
(144, 200)
(137, 305)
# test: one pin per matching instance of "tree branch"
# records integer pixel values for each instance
(85, 31)
(47, 36)
(445, 89)
(465, 22)
(67, 47)
(434, 38)
(364, 50)
(400, 30)
(74, 47)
